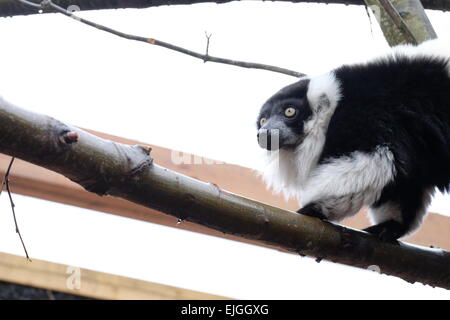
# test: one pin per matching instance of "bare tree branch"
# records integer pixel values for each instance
(106, 167)
(49, 5)
(8, 189)
(12, 8)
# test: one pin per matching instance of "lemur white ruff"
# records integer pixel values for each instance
(375, 134)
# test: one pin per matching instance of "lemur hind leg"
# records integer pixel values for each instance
(397, 217)
(338, 187)
(333, 208)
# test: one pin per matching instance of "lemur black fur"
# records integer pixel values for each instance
(374, 134)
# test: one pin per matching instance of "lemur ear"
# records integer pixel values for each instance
(323, 92)
(323, 103)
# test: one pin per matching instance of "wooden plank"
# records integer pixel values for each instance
(38, 182)
(59, 277)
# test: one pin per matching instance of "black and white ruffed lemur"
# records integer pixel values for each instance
(373, 134)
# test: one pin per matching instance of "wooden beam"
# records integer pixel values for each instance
(35, 181)
(92, 284)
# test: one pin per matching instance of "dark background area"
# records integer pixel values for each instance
(14, 291)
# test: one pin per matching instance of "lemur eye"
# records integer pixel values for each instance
(289, 112)
(262, 121)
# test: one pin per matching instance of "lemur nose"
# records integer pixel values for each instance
(264, 138)
(269, 139)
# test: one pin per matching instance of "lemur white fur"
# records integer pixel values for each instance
(437, 48)
(342, 186)
(288, 171)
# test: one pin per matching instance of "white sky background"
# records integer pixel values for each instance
(57, 66)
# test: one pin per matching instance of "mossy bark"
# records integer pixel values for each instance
(412, 25)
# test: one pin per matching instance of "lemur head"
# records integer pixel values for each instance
(281, 120)
(291, 113)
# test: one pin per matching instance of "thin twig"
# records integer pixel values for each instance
(398, 21)
(5, 178)
(48, 4)
(8, 189)
(370, 18)
(208, 37)
(30, 4)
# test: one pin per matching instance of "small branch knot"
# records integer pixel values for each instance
(69, 137)
(206, 56)
(46, 4)
(147, 149)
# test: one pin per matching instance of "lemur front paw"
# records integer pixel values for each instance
(312, 211)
